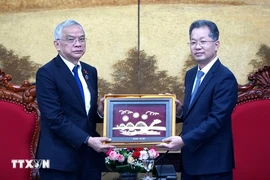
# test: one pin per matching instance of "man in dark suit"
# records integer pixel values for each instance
(206, 142)
(67, 98)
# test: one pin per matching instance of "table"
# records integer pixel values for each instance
(115, 176)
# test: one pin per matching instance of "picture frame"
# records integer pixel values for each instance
(138, 120)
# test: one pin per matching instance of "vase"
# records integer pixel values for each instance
(128, 176)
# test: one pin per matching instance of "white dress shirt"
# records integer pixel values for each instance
(86, 91)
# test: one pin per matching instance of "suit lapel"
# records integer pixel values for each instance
(189, 85)
(64, 70)
(88, 80)
(203, 85)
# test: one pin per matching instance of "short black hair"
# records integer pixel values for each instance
(214, 32)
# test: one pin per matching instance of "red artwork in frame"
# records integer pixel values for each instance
(138, 119)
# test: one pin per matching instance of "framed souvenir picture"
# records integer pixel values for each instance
(138, 119)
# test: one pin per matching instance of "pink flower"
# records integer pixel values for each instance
(153, 153)
(120, 158)
(113, 155)
(108, 152)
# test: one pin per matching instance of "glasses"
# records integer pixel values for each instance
(72, 40)
(201, 43)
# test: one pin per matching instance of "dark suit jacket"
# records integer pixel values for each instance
(64, 121)
(207, 131)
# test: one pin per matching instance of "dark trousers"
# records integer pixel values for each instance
(89, 169)
(51, 174)
(218, 176)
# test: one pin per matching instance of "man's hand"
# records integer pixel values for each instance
(97, 144)
(173, 143)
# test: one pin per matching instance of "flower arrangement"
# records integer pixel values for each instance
(129, 159)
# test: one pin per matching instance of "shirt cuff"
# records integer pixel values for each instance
(86, 140)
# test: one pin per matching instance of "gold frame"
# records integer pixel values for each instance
(137, 132)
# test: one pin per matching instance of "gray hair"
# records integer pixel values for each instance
(214, 32)
(59, 28)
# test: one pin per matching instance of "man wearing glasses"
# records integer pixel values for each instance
(67, 99)
(206, 142)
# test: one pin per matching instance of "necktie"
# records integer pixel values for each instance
(198, 82)
(76, 76)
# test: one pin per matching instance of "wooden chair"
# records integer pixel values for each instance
(19, 129)
(251, 122)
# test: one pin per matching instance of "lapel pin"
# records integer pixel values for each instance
(86, 74)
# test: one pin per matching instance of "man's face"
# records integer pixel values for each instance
(202, 47)
(72, 44)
